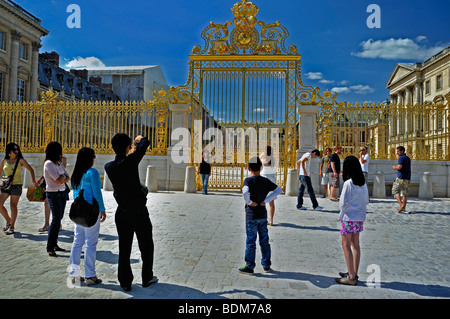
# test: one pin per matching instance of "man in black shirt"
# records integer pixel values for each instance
(335, 170)
(132, 215)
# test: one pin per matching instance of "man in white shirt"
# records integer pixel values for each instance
(303, 166)
(364, 160)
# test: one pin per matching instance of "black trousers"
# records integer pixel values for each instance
(128, 222)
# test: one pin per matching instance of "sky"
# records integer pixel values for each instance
(340, 49)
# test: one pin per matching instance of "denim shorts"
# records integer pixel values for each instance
(13, 190)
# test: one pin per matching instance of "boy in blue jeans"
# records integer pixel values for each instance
(255, 192)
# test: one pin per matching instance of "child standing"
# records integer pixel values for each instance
(255, 192)
(353, 201)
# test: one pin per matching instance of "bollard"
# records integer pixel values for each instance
(292, 183)
(189, 181)
(426, 186)
(379, 185)
(107, 185)
(151, 181)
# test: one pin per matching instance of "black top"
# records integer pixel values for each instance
(124, 175)
(337, 163)
(259, 187)
(204, 167)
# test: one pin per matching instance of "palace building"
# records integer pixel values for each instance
(20, 40)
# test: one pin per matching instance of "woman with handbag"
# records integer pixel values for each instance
(86, 182)
(11, 186)
(55, 178)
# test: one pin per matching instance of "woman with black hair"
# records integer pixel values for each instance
(11, 166)
(55, 178)
(353, 201)
(86, 177)
(269, 170)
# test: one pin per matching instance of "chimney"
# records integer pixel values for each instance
(81, 73)
(51, 57)
(97, 80)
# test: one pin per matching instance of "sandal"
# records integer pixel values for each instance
(93, 281)
(43, 229)
(10, 231)
(6, 227)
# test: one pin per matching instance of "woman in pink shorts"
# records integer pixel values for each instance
(353, 201)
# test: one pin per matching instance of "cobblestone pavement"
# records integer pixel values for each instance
(199, 245)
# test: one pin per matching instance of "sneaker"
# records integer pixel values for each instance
(301, 208)
(318, 208)
(267, 269)
(246, 270)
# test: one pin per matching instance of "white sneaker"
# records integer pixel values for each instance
(302, 208)
(318, 208)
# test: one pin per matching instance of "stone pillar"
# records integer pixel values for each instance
(379, 186)
(107, 185)
(35, 71)
(307, 128)
(292, 183)
(178, 154)
(426, 186)
(14, 65)
(151, 180)
(189, 182)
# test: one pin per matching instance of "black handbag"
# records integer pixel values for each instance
(83, 213)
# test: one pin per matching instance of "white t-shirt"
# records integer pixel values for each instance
(353, 202)
(365, 166)
(307, 164)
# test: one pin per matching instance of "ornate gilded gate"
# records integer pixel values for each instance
(244, 87)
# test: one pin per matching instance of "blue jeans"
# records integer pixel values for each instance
(305, 182)
(256, 227)
(57, 202)
(205, 178)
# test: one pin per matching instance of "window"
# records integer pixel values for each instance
(20, 91)
(1, 87)
(2, 40)
(439, 82)
(427, 87)
(23, 51)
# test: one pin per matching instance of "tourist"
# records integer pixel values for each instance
(269, 170)
(335, 170)
(304, 168)
(87, 178)
(255, 193)
(353, 201)
(324, 171)
(11, 166)
(401, 184)
(132, 214)
(56, 192)
(204, 169)
(364, 160)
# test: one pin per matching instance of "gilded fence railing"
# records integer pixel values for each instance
(78, 124)
(424, 130)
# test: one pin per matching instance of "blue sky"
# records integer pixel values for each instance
(339, 51)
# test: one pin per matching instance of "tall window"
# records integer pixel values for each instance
(1, 87)
(427, 87)
(2, 40)
(439, 82)
(20, 91)
(23, 51)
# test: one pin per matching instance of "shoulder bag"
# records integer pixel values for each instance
(6, 181)
(83, 213)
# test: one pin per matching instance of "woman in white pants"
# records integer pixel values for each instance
(87, 178)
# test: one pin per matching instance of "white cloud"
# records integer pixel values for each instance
(357, 89)
(398, 49)
(314, 75)
(326, 81)
(84, 63)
